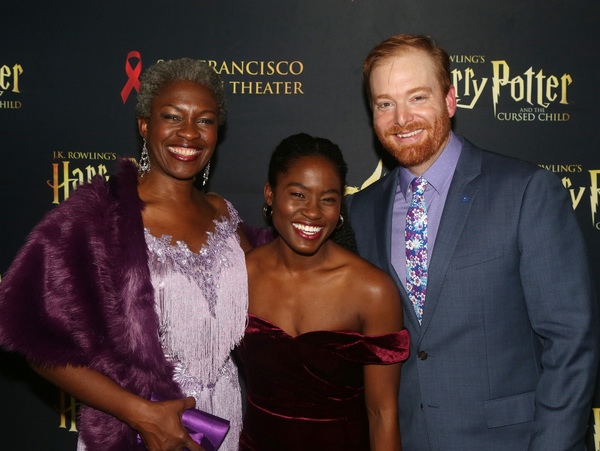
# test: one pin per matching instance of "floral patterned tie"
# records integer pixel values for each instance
(415, 237)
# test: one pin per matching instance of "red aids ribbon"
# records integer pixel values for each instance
(133, 74)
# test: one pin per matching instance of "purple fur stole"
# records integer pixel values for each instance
(79, 292)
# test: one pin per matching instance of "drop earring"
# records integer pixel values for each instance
(205, 174)
(144, 164)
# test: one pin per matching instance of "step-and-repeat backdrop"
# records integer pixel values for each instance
(526, 77)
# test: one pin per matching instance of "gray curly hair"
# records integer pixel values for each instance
(157, 76)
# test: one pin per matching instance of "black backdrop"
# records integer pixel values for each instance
(525, 71)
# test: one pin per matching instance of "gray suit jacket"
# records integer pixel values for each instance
(507, 353)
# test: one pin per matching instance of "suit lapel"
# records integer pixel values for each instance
(383, 215)
(461, 195)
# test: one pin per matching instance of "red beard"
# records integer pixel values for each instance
(410, 155)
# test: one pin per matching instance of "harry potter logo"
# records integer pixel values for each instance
(68, 411)
(9, 82)
(595, 196)
(67, 180)
(9, 78)
(533, 87)
(524, 87)
(577, 194)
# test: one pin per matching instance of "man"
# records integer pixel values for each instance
(497, 295)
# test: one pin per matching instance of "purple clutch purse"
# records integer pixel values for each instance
(206, 429)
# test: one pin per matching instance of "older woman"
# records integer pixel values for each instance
(138, 287)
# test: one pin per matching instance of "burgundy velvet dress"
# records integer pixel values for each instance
(307, 392)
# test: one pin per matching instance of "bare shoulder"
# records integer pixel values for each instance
(373, 294)
(218, 203)
(259, 258)
(366, 278)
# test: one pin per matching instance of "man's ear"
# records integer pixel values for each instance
(451, 101)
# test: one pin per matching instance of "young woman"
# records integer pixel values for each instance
(325, 334)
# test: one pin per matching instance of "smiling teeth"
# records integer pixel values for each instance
(409, 134)
(308, 229)
(185, 151)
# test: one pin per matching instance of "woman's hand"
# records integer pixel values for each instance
(159, 425)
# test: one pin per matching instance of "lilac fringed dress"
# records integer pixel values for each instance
(202, 304)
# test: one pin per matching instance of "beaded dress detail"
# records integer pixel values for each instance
(202, 302)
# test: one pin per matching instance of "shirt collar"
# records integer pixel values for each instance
(439, 173)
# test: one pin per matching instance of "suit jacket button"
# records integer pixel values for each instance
(422, 355)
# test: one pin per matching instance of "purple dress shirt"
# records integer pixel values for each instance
(438, 176)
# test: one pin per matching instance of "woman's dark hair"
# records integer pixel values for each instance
(294, 148)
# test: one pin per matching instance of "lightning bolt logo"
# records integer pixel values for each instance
(373, 178)
(496, 82)
(594, 193)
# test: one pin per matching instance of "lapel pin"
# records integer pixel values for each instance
(465, 198)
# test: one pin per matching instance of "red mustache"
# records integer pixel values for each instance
(401, 130)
